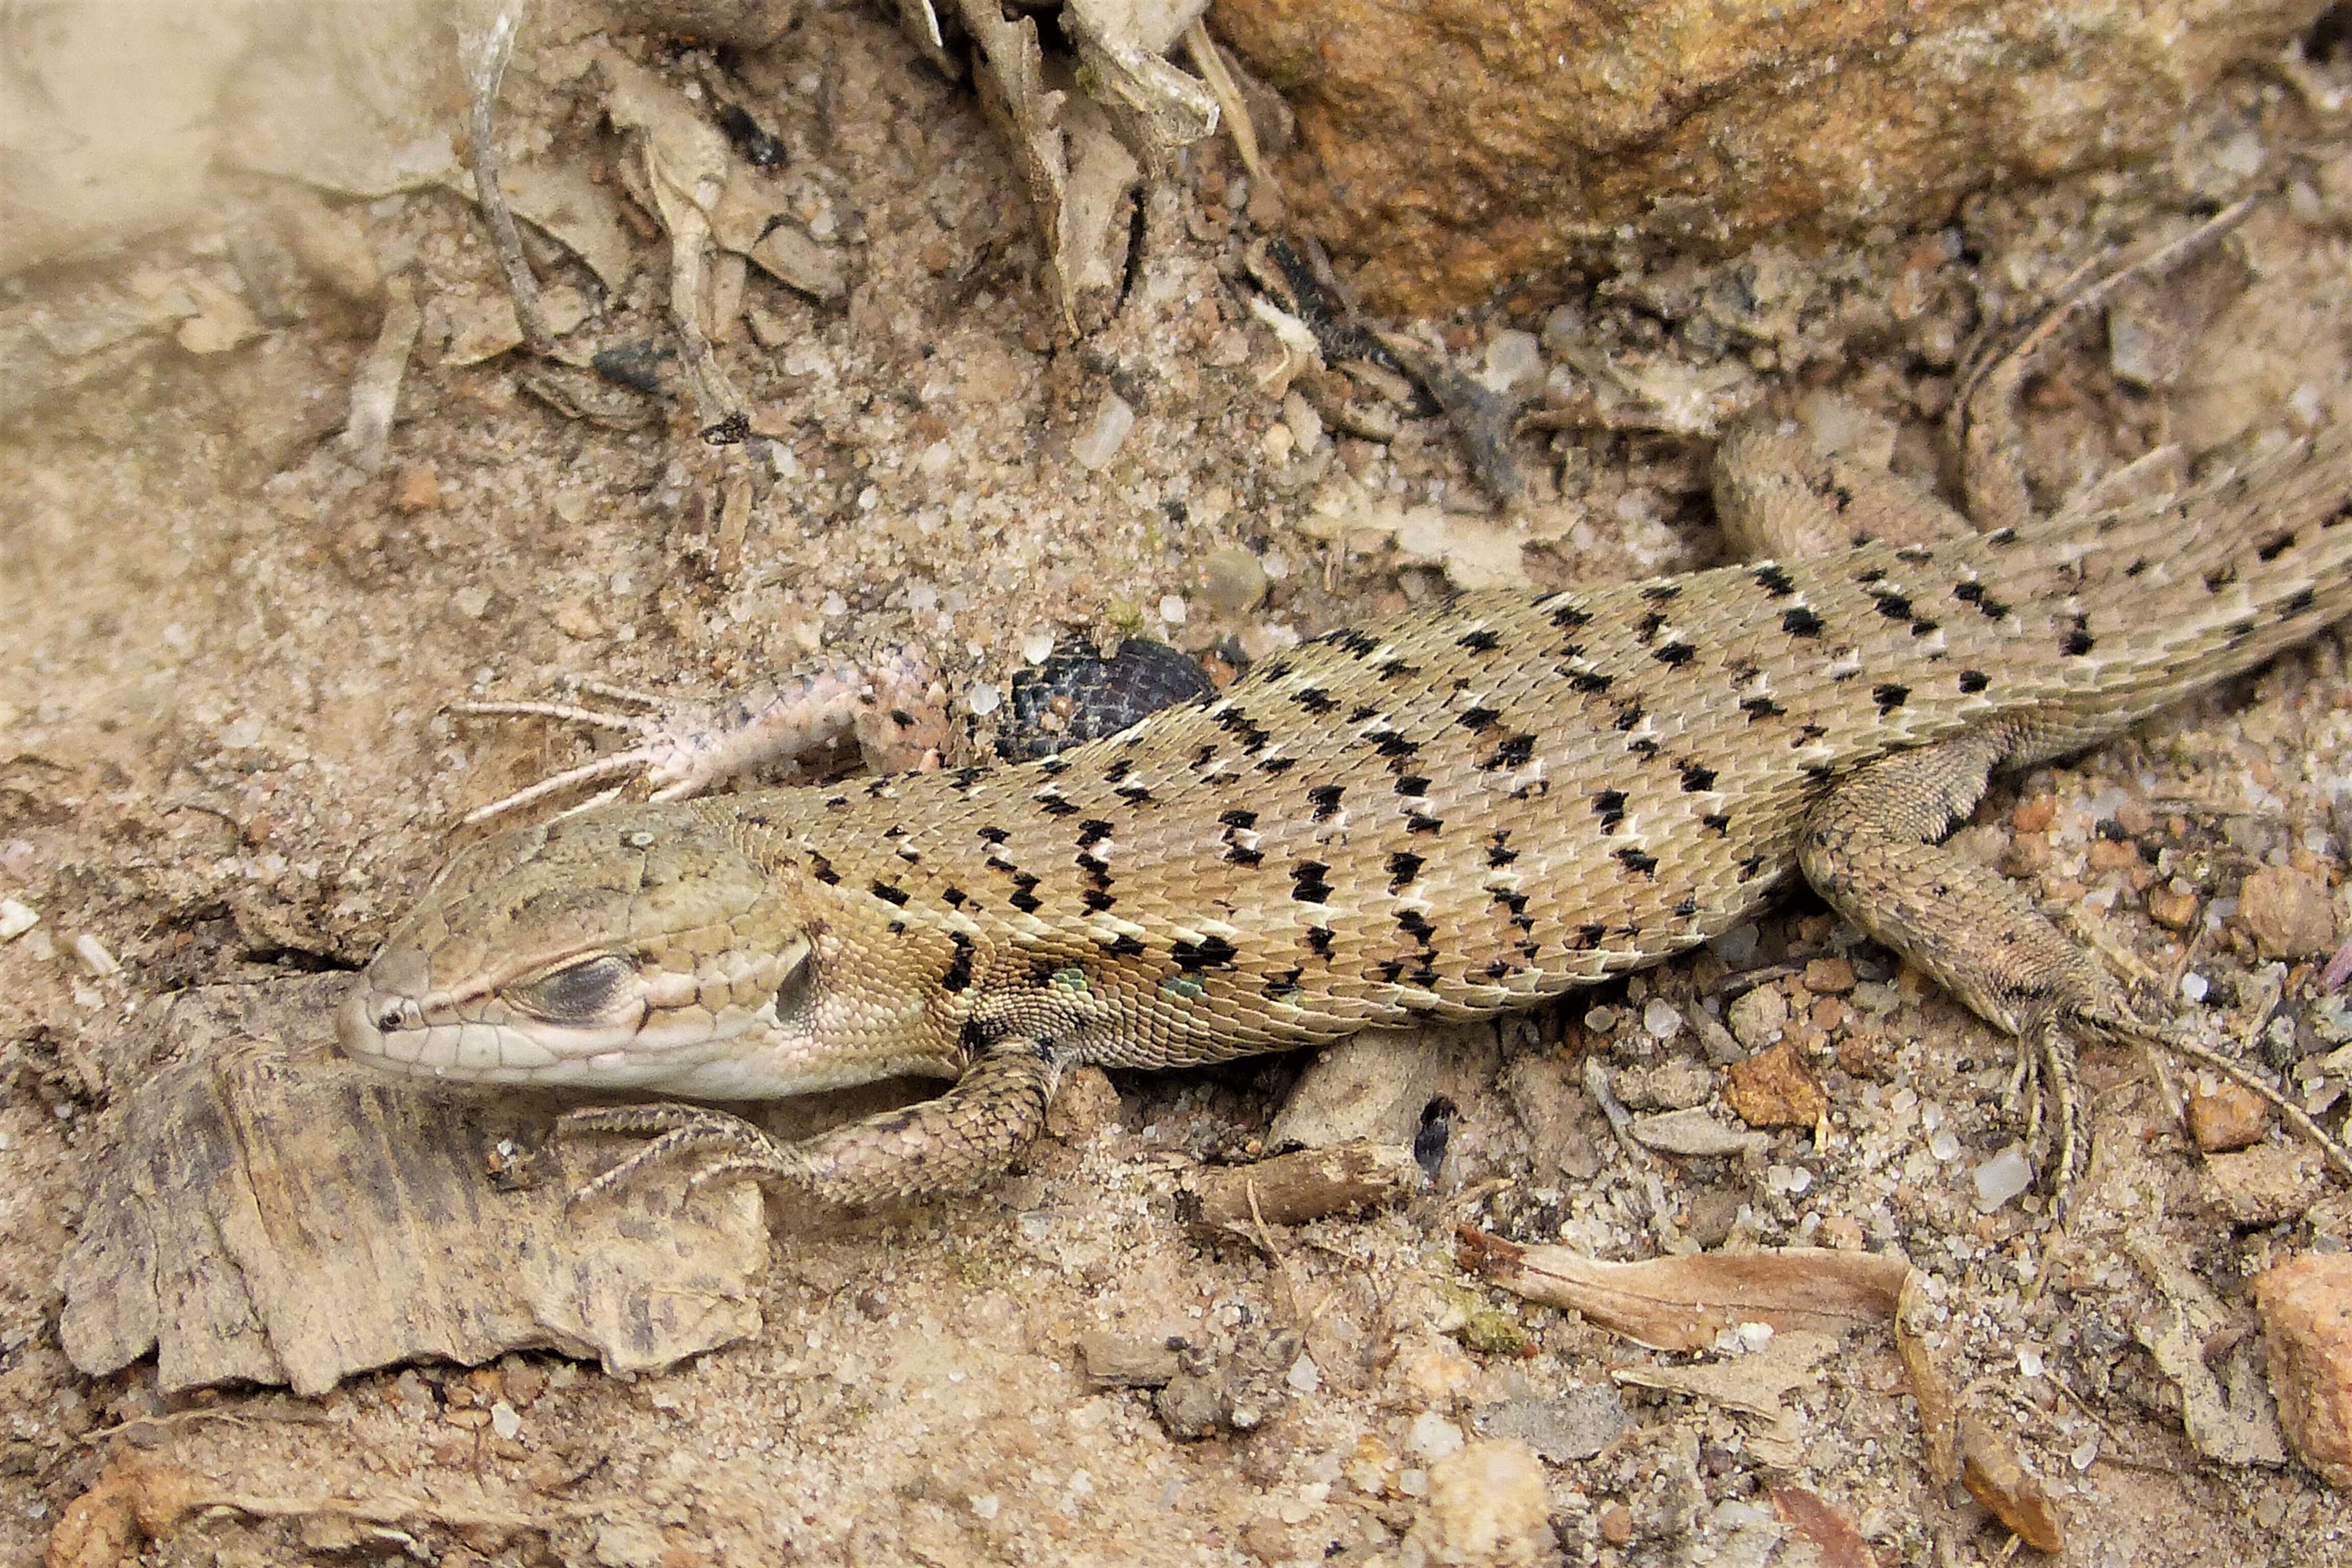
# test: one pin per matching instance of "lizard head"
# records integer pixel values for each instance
(633, 947)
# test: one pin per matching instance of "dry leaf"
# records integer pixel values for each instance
(562, 202)
(1756, 1384)
(1938, 1426)
(1990, 1468)
(1840, 1545)
(1683, 1303)
(2238, 1424)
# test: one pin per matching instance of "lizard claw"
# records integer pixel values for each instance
(727, 1145)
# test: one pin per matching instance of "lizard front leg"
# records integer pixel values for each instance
(959, 1141)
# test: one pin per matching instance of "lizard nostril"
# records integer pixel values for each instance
(389, 1019)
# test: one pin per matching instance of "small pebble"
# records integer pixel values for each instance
(1660, 1019)
(1037, 647)
(1486, 1504)
(1757, 1016)
(1775, 1087)
(2193, 986)
(2001, 1178)
(1431, 1437)
(94, 956)
(2227, 1117)
(1232, 580)
(2287, 914)
(1171, 609)
(1113, 422)
(984, 698)
(1829, 977)
(2306, 1311)
(2035, 816)
(1514, 360)
(2173, 908)
(1737, 947)
(15, 919)
(505, 1422)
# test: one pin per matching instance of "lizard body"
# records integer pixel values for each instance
(1447, 815)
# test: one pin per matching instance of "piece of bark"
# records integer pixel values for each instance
(1310, 1184)
(266, 1211)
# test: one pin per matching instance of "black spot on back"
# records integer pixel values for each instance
(1316, 700)
(1209, 952)
(1514, 752)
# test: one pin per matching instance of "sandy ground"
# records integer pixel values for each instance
(222, 759)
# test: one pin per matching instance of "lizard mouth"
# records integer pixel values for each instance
(586, 1024)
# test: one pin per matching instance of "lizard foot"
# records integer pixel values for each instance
(723, 1146)
(954, 1143)
(2045, 1082)
(896, 714)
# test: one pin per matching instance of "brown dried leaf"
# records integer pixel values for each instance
(1840, 1545)
(1991, 1470)
(1683, 1303)
(1939, 1426)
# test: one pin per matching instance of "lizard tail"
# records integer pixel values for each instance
(2207, 584)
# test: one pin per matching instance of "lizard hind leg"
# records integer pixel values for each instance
(957, 1143)
(1874, 848)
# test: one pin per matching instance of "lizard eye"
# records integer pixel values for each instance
(582, 993)
(799, 984)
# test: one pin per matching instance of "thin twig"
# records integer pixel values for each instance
(485, 68)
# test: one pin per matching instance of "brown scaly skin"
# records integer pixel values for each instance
(1449, 814)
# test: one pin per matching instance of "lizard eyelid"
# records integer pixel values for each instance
(580, 993)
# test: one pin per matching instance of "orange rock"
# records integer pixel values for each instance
(1829, 977)
(2170, 910)
(2306, 1310)
(1776, 1089)
(2227, 1118)
(1454, 147)
(418, 489)
(2288, 914)
(2035, 816)
(2113, 855)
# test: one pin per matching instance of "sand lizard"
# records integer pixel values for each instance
(1449, 814)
